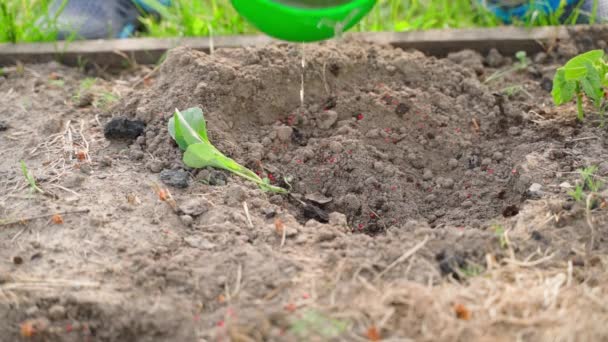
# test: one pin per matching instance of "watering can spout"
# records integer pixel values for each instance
(303, 20)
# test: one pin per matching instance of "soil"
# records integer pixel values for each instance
(425, 204)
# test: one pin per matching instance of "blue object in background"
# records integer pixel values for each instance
(506, 10)
(98, 19)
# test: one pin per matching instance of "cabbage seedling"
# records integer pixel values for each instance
(189, 130)
(584, 74)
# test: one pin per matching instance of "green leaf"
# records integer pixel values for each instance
(592, 85)
(576, 69)
(563, 90)
(201, 155)
(188, 127)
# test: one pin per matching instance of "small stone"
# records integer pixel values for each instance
(107, 161)
(372, 133)
(123, 128)
(175, 178)
(338, 219)
(266, 141)
(3, 126)
(447, 183)
(378, 166)
(453, 163)
(235, 194)
(427, 175)
(195, 206)
(534, 191)
(187, 220)
(494, 59)
(57, 312)
(85, 99)
(136, 154)
(430, 198)
(326, 119)
(155, 166)
(199, 242)
(486, 162)
(86, 169)
(32, 311)
(335, 146)
(217, 178)
(467, 204)
(73, 181)
(514, 131)
(276, 199)
(17, 260)
(540, 58)
(351, 202)
(283, 133)
(497, 156)
(269, 212)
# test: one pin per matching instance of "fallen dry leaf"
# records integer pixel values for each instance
(373, 334)
(57, 219)
(279, 225)
(462, 312)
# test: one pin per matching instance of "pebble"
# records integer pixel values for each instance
(497, 156)
(123, 128)
(17, 260)
(155, 166)
(352, 202)
(73, 181)
(175, 178)
(335, 146)
(486, 162)
(32, 311)
(57, 312)
(283, 133)
(199, 242)
(195, 206)
(427, 175)
(534, 190)
(514, 131)
(106, 161)
(327, 119)
(136, 154)
(447, 183)
(372, 133)
(467, 204)
(378, 166)
(235, 194)
(453, 163)
(217, 178)
(338, 219)
(187, 220)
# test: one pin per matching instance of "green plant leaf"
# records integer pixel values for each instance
(576, 69)
(592, 85)
(563, 90)
(188, 127)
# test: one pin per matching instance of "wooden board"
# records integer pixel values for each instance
(117, 53)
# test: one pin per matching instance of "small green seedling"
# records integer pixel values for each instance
(522, 63)
(30, 179)
(189, 130)
(589, 182)
(315, 324)
(583, 75)
(501, 235)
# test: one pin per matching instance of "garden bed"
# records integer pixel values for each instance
(429, 199)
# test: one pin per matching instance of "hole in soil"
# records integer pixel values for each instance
(391, 137)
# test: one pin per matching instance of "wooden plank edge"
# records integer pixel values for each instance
(118, 53)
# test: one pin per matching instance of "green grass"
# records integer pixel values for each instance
(19, 18)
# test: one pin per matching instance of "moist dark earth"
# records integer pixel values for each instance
(428, 200)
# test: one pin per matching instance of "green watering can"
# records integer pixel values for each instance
(303, 20)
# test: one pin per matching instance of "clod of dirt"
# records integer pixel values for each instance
(175, 178)
(195, 207)
(85, 100)
(534, 191)
(17, 260)
(284, 133)
(311, 211)
(451, 263)
(326, 119)
(123, 128)
(57, 312)
(3, 126)
(494, 59)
